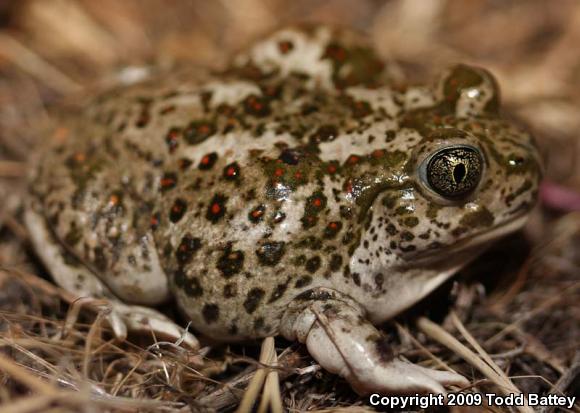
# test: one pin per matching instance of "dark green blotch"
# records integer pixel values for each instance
(190, 286)
(74, 235)
(290, 156)
(253, 299)
(526, 186)
(232, 172)
(278, 291)
(315, 204)
(390, 200)
(230, 290)
(353, 65)
(230, 262)
(477, 219)
(379, 280)
(335, 262)
(257, 214)
(100, 260)
(383, 348)
(303, 281)
(193, 288)
(233, 330)
(209, 161)
(411, 222)
(271, 252)
(211, 313)
(407, 236)
(187, 247)
(177, 210)
(346, 271)
(313, 264)
(408, 248)
(216, 208)
(259, 324)
(168, 181)
(325, 133)
(198, 131)
(257, 106)
(332, 229)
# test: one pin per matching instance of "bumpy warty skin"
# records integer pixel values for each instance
(235, 193)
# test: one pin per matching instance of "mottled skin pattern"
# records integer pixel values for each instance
(294, 175)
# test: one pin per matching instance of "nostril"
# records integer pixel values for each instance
(516, 160)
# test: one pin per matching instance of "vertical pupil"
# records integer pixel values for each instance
(459, 173)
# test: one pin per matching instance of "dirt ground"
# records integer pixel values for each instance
(513, 316)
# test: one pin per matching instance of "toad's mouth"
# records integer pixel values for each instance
(472, 245)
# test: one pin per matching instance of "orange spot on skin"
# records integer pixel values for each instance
(298, 175)
(285, 47)
(215, 209)
(167, 182)
(257, 213)
(205, 160)
(154, 221)
(231, 171)
(337, 53)
(353, 159)
(331, 169)
(113, 200)
(203, 129)
(279, 172)
(379, 153)
(333, 225)
(317, 202)
(60, 134)
(80, 157)
(183, 163)
(255, 104)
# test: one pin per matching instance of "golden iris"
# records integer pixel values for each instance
(455, 172)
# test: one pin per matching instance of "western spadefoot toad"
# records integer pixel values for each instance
(294, 193)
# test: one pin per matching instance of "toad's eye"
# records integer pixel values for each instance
(454, 172)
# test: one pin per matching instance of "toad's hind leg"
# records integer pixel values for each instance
(344, 342)
(72, 275)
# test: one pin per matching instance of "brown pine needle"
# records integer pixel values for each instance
(471, 340)
(267, 355)
(12, 169)
(31, 63)
(23, 376)
(271, 396)
(504, 384)
(36, 403)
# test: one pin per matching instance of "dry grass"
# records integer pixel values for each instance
(511, 323)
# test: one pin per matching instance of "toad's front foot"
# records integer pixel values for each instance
(145, 320)
(344, 342)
